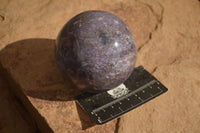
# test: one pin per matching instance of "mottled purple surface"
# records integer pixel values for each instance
(96, 50)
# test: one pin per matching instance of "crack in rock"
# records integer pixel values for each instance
(146, 42)
(2, 15)
(117, 126)
(154, 70)
(159, 18)
(168, 64)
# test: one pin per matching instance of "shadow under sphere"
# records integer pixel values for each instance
(32, 64)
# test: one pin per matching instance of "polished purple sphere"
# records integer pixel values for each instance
(96, 50)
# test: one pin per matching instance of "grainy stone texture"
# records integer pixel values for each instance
(10, 118)
(167, 34)
(96, 50)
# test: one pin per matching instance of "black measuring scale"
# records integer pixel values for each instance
(138, 89)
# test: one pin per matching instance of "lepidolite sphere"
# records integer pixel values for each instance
(96, 50)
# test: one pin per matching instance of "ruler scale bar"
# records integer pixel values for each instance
(129, 94)
(103, 107)
(127, 109)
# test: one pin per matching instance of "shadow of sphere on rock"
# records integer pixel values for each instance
(32, 64)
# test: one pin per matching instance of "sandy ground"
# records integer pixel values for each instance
(167, 34)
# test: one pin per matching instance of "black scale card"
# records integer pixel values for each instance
(138, 89)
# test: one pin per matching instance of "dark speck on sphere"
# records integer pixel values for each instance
(96, 50)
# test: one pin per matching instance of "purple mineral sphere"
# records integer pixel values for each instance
(96, 50)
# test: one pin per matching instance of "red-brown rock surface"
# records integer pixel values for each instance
(10, 118)
(168, 39)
